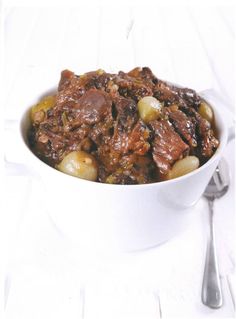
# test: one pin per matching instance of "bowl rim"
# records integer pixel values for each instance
(37, 161)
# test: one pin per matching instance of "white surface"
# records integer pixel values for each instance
(46, 277)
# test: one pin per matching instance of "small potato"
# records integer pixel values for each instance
(79, 164)
(184, 166)
(206, 111)
(149, 108)
(38, 111)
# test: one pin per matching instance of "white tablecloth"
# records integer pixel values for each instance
(45, 276)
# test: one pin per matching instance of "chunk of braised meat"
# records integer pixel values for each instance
(125, 110)
(71, 86)
(76, 128)
(167, 146)
(138, 139)
(93, 107)
(126, 117)
(124, 141)
(208, 143)
(130, 136)
(101, 133)
(132, 87)
(70, 89)
(48, 144)
(67, 77)
(104, 81)
(145, 74)
(190, 97)
(166, 93)
(108, 159)
(170, 94)
(133, 169)
(93, 110)
(185, 126)
(130, 133)
(52, 143)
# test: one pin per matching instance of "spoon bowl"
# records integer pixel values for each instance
(219, 183)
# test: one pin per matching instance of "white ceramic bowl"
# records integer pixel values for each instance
(104, 217)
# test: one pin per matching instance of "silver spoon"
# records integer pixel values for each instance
(211, 287)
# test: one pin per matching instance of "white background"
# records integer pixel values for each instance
(184, 42)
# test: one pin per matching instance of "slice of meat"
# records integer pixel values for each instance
(133, 169)
(190, 97)
(67, 77)
(166, 93)
(208, 146)
(110, 150)
(171, 94)
(130, 134)
(101, 132)
(138, 139)
(88, 122)
(71, 86)
(93, 107)
(145, 74)
(184, 126)
(132, 87)
(49, 145)
(167, 146)
(207, 142)
(126, 112)
(126, 118)
(70, 89)
(104, 81)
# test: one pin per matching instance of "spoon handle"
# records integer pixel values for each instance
(211, 287)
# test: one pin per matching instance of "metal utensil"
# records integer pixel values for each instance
(211, 287)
